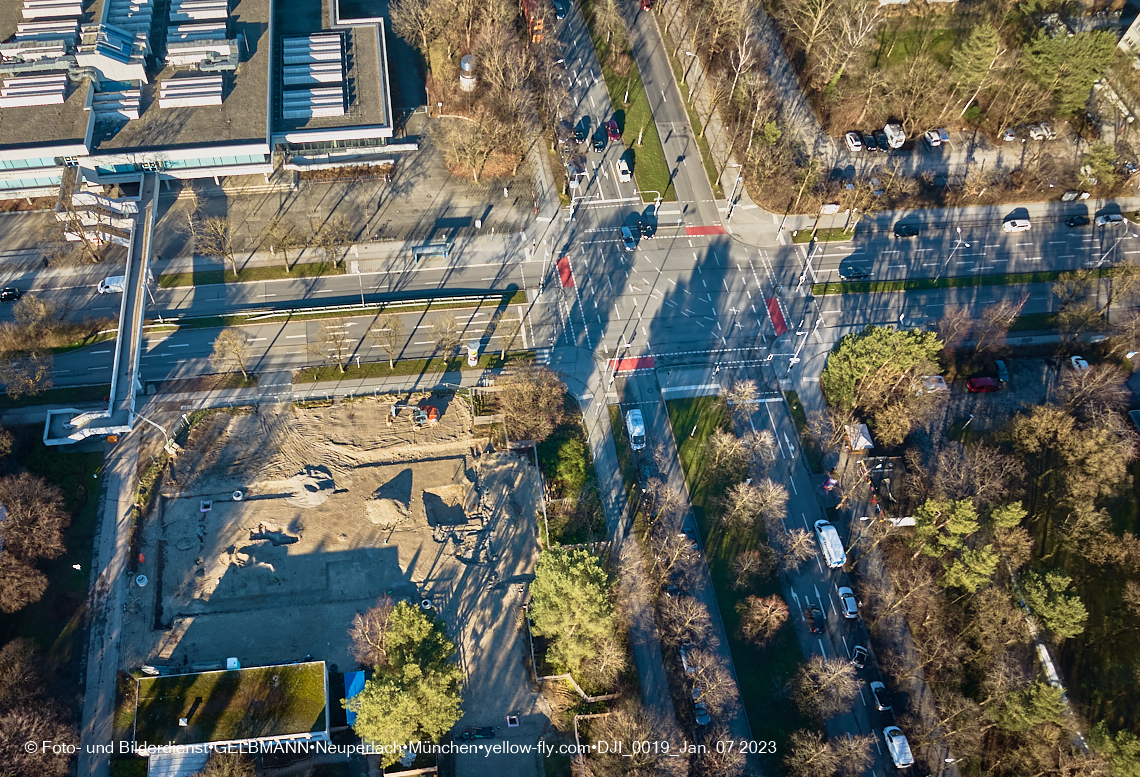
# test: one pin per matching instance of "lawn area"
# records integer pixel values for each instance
(257, 702)
(55, 622)
(487, 361)
(694, 119)
(60, 396)
(250, 274)
(574, 514)
(825, 235)
(896, 45)
(650, 167)
(761, 671)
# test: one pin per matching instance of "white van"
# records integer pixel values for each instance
(114, 284)
(636, 426)
(830, 544)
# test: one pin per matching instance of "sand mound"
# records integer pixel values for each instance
(387, 512)
(310, 487)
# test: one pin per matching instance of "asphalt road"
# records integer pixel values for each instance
(977, 249)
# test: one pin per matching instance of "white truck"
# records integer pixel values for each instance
(895, 135)
(114, 284)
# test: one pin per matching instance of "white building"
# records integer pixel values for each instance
(210, 90)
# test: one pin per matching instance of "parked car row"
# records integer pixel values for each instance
(985, 384)
(878, 140)
(831, 546)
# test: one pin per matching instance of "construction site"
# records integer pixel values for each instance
(273, 526)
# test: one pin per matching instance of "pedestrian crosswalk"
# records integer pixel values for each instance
(542, 355)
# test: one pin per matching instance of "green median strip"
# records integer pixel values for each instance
(694, 118)
(250, 274)
(825, 235)
(433, 366)
(650, 167)
(410, 306)
(927, 284)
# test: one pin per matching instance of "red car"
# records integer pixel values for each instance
(647, 5)
(982, 385)
(612, 131)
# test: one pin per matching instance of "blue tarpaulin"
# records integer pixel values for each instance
(353, 684)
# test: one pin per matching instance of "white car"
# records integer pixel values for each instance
(623, 170)
(1104, 219)
(848, 604)
(933, 139)
(854, 141)
(1015, 225)
(898, 747)
(1079, 364)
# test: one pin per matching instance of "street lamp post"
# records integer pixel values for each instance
(688, 67)
(958, 243)
(732, 196)
(1113, 248)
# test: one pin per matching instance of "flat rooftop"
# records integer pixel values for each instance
(366, 77)
(40, 126)
(240, 117)
(11, 14)
(238, 704)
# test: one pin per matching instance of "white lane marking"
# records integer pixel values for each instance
(792, 483)
(181, 345)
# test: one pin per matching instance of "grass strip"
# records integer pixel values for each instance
(102, 337)
(60, 396)
(488, 361)
(392, 306)
(926, 284)
(825, 235)
(650, 167)
(760, 671)
(807, 442)
(694, 117)
(250, 274)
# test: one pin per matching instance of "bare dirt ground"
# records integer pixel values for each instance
(337, 508)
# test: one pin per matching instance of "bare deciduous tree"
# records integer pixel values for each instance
(227, 764)
(1093, 391)
(761, 618)
(27, 375)
(751, 564)
(419, 21)
(810, 754)
(369, 633)
(333, 344)
(388, 332)
(686, 619)
(448, 335)
(215, 238)
(716, 687)
(532, 400)
(824, 687)
(20, 584)
(281, 237)
(231, 347)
